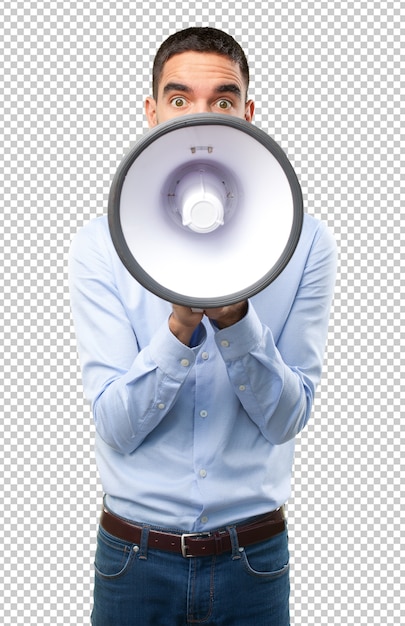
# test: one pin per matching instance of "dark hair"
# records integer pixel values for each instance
(198, 39)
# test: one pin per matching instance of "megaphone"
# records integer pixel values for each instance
(205, 210)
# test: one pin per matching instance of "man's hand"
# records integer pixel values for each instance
(184, 320)
(227, 315)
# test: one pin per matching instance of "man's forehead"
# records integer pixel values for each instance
(188, 67)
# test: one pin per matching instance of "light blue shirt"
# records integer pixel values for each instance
(198, 437)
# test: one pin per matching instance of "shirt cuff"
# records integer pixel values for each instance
(171, 355)
(241, 338)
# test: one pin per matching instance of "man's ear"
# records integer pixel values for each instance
(150, 111)
(249, 110)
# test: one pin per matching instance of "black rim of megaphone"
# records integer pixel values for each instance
(114, 215)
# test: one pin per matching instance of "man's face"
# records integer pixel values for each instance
(199, 82)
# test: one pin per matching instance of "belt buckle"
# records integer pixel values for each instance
(184, 546)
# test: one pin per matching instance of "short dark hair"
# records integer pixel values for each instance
(198, 39)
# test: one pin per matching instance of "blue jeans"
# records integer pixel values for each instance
(140, 586)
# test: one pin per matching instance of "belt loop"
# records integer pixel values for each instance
(234, 542)
(143, 544)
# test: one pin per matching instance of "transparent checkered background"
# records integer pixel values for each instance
(329, 87)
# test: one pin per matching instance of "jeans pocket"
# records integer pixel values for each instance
(269, 559)
(113, 556)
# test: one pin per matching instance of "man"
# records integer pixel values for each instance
(196, 412)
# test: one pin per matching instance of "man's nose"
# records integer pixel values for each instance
(202, 107)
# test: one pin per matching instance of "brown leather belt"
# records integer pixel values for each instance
(197, 544)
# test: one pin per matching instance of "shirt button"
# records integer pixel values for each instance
(203, 473)
(225, 343)
(203, 413)
(204, 519)
(242, 387)
(161, 405)
(205, 356)
(185, 362)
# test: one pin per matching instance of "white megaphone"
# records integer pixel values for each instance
(205, 210)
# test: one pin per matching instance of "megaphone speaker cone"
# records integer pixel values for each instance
(205, 210)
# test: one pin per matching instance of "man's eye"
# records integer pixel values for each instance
(224, 104)
(178, 102)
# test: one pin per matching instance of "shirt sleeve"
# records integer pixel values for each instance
(276, 383)
(130, 389)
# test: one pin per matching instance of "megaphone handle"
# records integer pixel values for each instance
(197, 310)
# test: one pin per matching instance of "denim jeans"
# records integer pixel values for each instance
(140, 586)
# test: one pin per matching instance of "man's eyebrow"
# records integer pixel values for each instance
(225, 88)
(229, 88)
(176, 87)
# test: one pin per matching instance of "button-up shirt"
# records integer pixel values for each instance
(197, 437)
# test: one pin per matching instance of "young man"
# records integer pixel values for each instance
(196, 412)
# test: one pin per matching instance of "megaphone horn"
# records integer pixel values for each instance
(205, 210)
